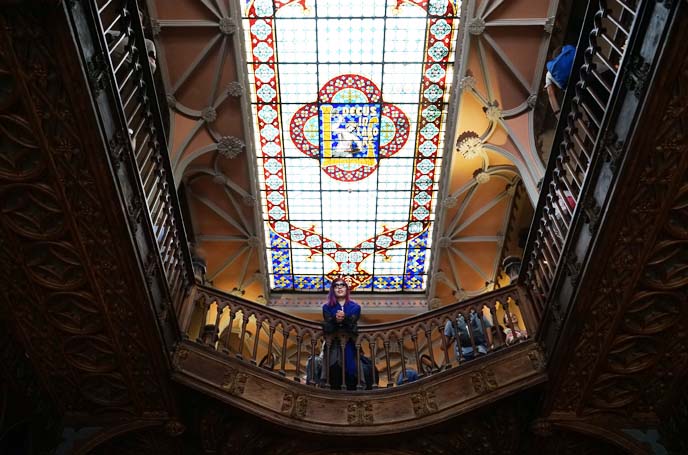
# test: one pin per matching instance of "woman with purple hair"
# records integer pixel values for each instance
(340, 318)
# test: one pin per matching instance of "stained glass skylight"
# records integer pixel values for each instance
(349, 102)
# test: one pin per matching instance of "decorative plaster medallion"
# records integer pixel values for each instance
(253, 242)
(467, 82)
(469, 145)
(209, 114)
(476, 26)
(493, 112)
(549, 24)
(230, 146)
(235, 89)
(227, 26)
(481, 177)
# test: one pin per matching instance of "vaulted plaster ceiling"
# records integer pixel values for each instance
(486, 186)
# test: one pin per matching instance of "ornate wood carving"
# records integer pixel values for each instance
(61, 232)
(428, 401)
(484, 380)
(360, 413)
(234, 381)
(424, 403)
(294, 405)
(635, 329)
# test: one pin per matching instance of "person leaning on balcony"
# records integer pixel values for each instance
(558, 71)
(464, 348)
(515, 335)
(340, 317)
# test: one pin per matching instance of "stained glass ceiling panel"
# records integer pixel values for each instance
(349, 104)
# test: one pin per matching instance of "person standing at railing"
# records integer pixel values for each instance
(558, 71)
(464, 347)
(340, 317)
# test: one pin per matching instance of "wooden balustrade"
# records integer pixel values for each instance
(579, 141)
(385, 354)
(130, 59)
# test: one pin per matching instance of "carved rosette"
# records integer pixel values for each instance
(360, 413)
(230, 147)
(484, 380)
(234, 382)
(424, 403)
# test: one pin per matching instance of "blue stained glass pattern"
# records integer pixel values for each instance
(415, 262)
(308, 283)
(387, 283)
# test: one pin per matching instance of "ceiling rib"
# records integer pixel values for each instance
(194, 65)
(469, 262)
(507, 61)
(220, 212)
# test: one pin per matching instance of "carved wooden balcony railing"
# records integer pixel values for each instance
(128, 58)
(579, 146)
(289, 346)
(257, 358)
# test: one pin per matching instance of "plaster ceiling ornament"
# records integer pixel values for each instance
(476, 26)
(481, 176)
(235, 89)
(227, 26)
(549, 24)
(209, 114)
(467, 81)
(253, 242)
(444, 242)
(230, 147)
(469, 145)
(493, 112)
